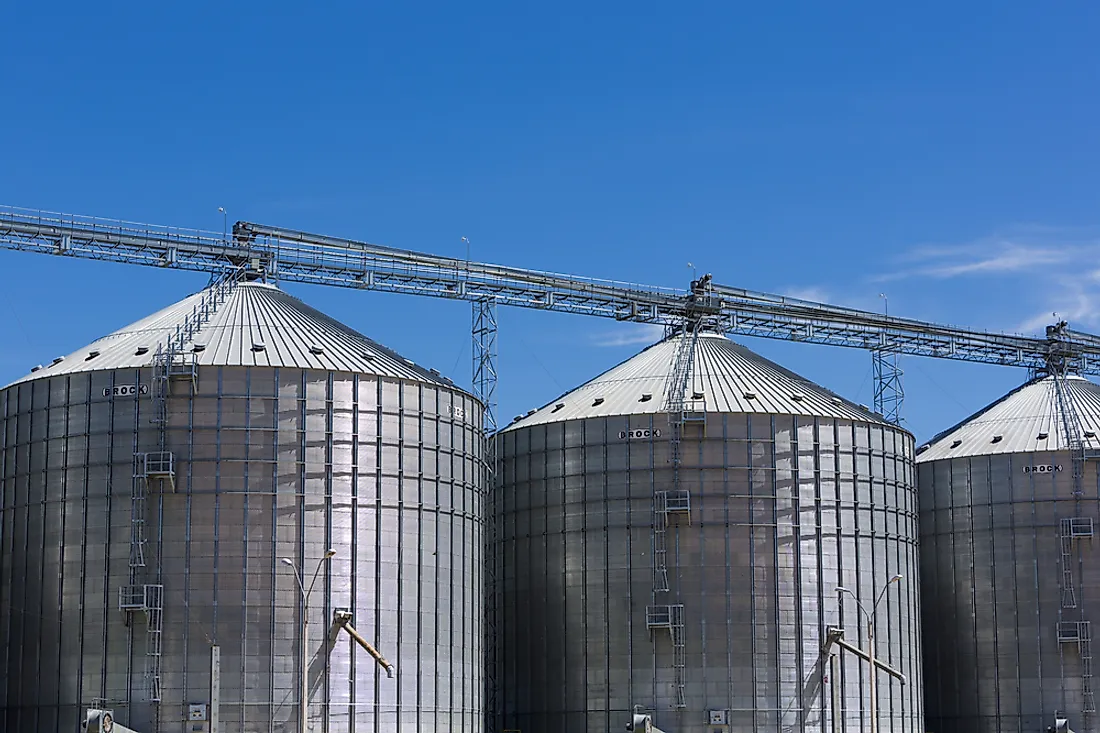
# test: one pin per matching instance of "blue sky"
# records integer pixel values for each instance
(943, 155)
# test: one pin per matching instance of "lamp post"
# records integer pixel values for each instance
(303, 700)
(224, 215)
(870, 640)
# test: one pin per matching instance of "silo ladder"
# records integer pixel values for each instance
(671, 617)
(1073, 528)
(147, 599)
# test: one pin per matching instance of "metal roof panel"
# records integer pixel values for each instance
(292, 333)
(1026, 420)
(731, 378)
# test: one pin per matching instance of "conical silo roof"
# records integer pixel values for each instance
(1026, 420)
(257, 325)
(730, 378)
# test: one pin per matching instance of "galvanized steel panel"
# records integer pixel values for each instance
(271, 463)
(991, 584)
(784, 509)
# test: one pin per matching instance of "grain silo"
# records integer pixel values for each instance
(673, 533)
(1010, 571)
(154, 481)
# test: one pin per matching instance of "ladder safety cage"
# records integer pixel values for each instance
(1073, 632)
(147, 599)
(671, 619)
(678, 501)
(1077, 527)
(1080, 633)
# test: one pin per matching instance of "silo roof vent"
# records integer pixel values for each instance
(749, 395)
(798, 396)
(91, 355)
(997, 438)
(646, 397)
(922, 449)
(956, 443)
(141, 350)
(198, 347)
(530, 412)
(1090, 434)
(1043, 436)
(597, 401)
(258, 346)
(368, 356)
(434, 372)
(558, 406)
(35, 368)
(316, 350)
(59, 359)
(697, 394)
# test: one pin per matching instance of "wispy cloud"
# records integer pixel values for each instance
(1044, 262)
(1019, 251)
(630, 334)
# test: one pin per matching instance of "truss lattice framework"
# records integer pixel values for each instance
(300, 257)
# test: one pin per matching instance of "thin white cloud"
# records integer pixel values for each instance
(1049, 264)
(631, 334)
(989, 257)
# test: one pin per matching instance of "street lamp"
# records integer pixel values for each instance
(840, 591)
(303, 701)
(224, 215)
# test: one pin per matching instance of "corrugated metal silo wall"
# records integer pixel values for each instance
(272, 463)
(783, 511)
(992, 583)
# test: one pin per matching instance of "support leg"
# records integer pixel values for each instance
(485, 385)
(889, 393)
